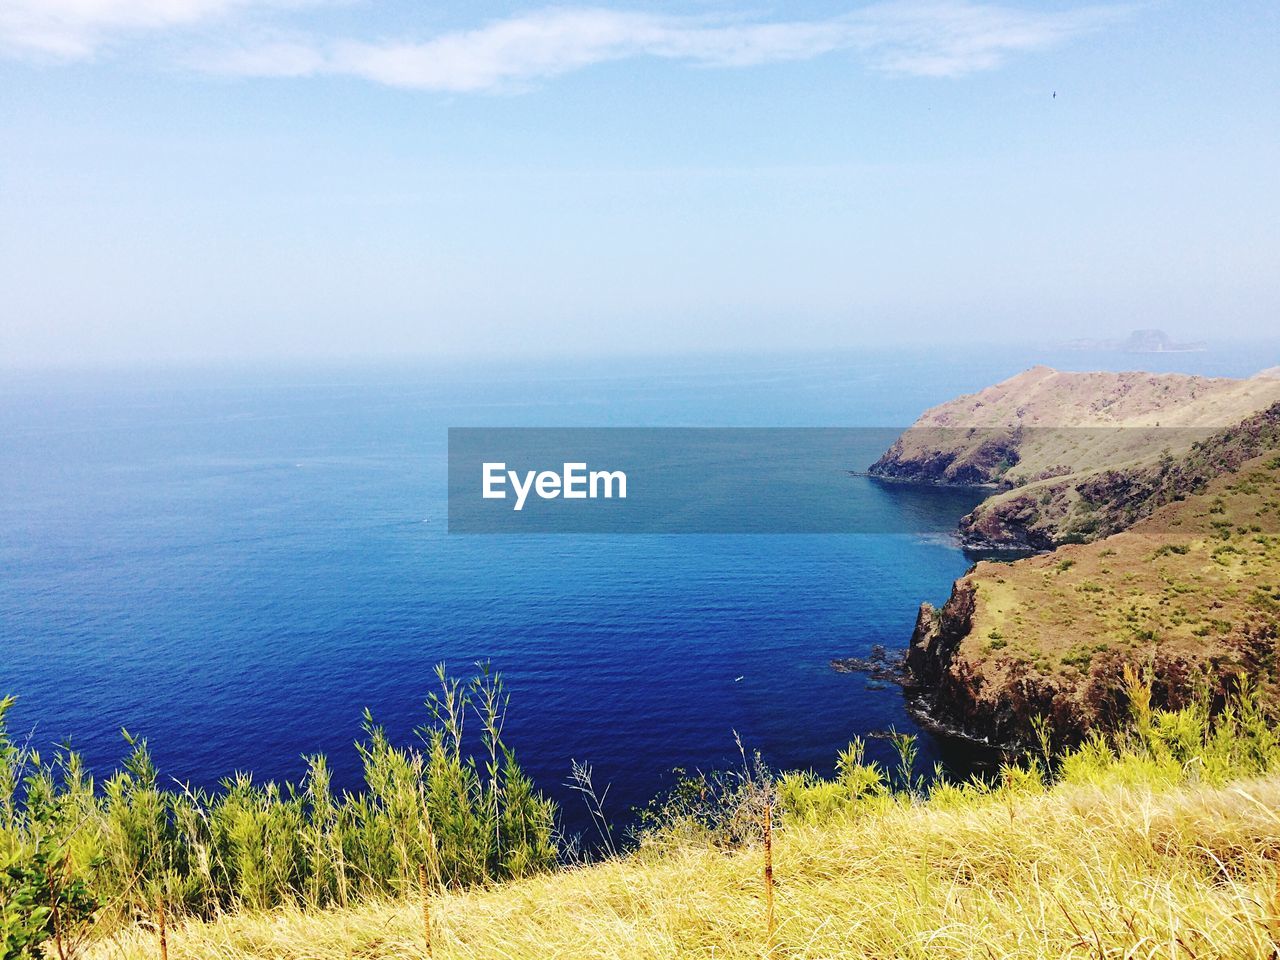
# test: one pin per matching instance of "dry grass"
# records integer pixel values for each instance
(1085, 422)
(1196, 585)
(1077, 871)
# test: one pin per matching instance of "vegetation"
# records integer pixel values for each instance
(1190, 592)
(1045, 423)
(1081, 456)
(75, 854)
(1162, 841)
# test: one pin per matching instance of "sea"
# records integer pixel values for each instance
(234, 563)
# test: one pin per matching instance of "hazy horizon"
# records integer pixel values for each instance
(251, 180)
(1243, 357)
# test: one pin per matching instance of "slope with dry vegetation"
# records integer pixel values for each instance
(1148, 849)
(1078, 456)
(1161, 840)
(1193, 592)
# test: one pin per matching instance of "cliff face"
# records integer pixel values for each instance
(1191, 594)
(1089, 505)
(952, 691)
(940, 690)
(1079, 456)
(980, 457)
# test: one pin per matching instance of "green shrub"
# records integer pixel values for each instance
(137, 844)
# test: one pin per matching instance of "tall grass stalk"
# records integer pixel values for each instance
(425, 894)
(770, 923)
(162, 930)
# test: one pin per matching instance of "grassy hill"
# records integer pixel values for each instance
(1193, 591)
(1077, 456)
(1123, 859)
(1161, 840)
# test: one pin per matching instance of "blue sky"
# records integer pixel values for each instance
(318, 178)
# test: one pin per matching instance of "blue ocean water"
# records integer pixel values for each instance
(235, 563)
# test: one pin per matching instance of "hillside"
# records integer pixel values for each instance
(1018, 874)
(1193, 591)
(1078, 456)
(1164, 833)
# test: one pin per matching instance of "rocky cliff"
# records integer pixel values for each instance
(1091, 504)
(1078, 456)
(1191, 595)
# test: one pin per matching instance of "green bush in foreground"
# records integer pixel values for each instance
(71, 850)
(1158, 748)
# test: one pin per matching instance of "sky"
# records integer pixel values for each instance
(245, 179)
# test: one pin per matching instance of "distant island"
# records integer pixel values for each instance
(1140, 341)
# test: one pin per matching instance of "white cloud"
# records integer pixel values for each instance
(947, 38)
(73, 29)
(950, 39)
(939, 38)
